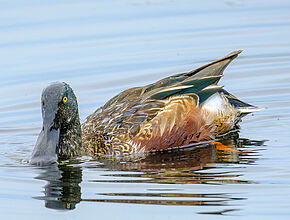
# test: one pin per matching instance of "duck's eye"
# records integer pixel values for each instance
(64, 99)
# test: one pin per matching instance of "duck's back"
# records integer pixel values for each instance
(172, 112)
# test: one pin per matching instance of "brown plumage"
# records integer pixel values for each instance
(180, 123)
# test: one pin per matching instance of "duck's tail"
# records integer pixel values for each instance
(242, 107)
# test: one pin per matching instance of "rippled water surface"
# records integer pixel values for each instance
(103, 47)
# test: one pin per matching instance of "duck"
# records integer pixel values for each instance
(173, 112)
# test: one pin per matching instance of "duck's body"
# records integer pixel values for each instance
(172, 112)
(178, 110)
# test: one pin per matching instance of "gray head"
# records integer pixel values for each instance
(60, 137)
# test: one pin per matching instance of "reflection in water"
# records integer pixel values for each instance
(195, 199)
(62, 190)
(191, 165)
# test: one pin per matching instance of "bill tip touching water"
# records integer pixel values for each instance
(178, 110)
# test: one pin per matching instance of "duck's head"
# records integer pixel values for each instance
(60, 136)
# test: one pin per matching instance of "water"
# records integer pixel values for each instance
(103, 47)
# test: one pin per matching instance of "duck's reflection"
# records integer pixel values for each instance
(62, 190)
(192, 165)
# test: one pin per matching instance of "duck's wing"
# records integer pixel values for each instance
(166, 103)
(201, 81)
(214, 68)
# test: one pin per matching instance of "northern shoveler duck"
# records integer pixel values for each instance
(175, 111)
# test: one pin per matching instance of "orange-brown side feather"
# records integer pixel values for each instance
(181, 122)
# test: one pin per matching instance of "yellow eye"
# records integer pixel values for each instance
(64, 99)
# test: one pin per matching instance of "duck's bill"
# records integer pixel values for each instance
(44, 152)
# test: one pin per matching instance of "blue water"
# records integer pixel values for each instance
(103, 47)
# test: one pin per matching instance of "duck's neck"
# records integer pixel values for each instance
(70, 140)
